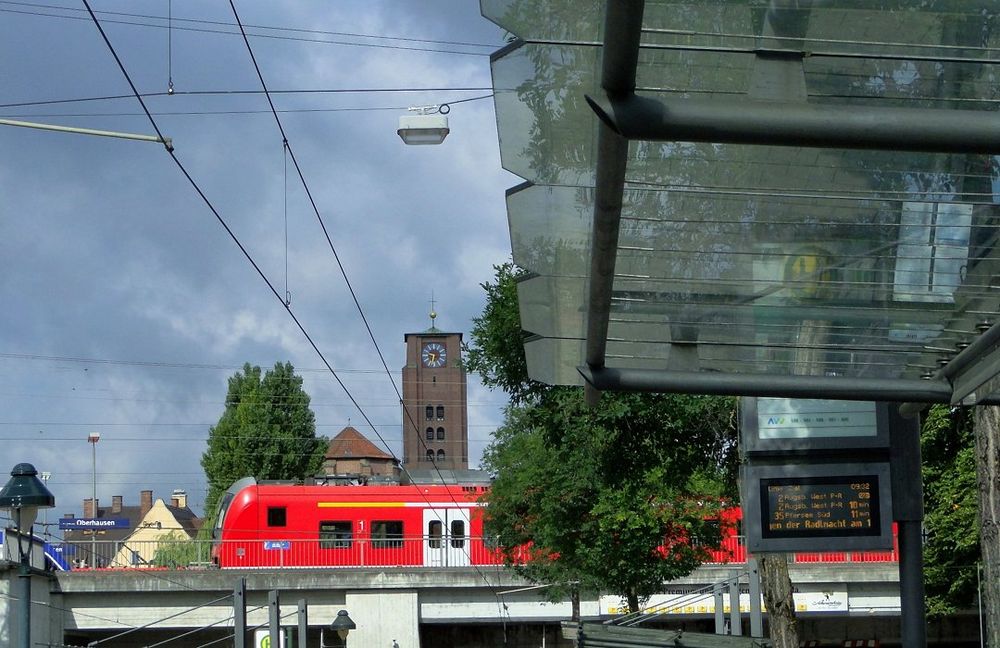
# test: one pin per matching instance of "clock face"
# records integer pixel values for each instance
(433, 355)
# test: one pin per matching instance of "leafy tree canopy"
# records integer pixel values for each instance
(267, 431)
(950, 510)
(617, 498)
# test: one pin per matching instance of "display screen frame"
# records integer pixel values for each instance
(757, 514)
(754, 444)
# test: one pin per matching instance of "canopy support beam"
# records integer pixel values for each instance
(895, 390)
(743, 120)
(622, 29)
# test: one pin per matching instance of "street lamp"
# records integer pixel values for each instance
(428, 126)
(45, 476)
(341, 626)
(93, 438)
(23, 495)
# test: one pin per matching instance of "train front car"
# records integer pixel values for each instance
(281, 525)
(232, 529)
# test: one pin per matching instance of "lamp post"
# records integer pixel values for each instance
(93, 438)
(341, 626)
(23, 495)
(45, 476)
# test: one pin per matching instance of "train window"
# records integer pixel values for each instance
(335, 534)
(440, 412)
(429, 412)
(458, 533)
(429, 433)
(440, 434)
(387, 534)
(276, 516)
(434, 534)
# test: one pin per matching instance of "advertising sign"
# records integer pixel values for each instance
(262, 639)
(776, 425)
(77, 524)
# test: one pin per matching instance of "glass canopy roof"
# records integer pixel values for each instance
(754, 259)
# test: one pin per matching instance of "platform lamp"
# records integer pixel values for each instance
(340, 627)
(428, 126)
(23, 495)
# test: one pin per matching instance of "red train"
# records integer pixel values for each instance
(294, 525)
(286, 525)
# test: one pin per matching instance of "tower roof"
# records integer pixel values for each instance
(350, 443)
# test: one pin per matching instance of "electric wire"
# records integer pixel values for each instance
(343, 272)
(204, 113)
(225, 225)
(202, 21)
(226, 93)
(206, 30)
(45, 604)
(166, 618)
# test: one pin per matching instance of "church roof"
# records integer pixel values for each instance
(350, 443)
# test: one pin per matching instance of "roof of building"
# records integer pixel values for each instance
(351, 444)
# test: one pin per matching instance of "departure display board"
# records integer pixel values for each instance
(817, 507)
(820, 507)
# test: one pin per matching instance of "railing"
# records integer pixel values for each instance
(400, 552)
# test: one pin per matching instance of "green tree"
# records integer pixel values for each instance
(950, 510)
(267, 431)
(619, 498)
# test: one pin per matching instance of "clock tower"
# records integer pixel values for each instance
(435, 416)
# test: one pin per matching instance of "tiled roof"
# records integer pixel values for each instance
(351, 444)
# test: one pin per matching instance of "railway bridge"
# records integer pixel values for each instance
(189, 608)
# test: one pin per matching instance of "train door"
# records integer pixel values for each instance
(446, 537)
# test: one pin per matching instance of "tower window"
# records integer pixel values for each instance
(440, 412)
(429, 433)
(429, 412)
(440, 434)
(430, 455)
(440, 455)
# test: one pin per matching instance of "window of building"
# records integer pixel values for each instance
(440, 455)
(458, 533)
(440, 412)
(429, 412)
(434, 531)
(387, 534)
(276, 516)
(440, 434)
(335, 534)
(430, 455)
(429, 433)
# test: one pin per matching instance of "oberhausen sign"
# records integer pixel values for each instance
(78, 524)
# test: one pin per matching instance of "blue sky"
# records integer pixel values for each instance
(127, 306)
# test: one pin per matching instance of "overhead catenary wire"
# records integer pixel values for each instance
(224, 93)
(343, 272)
(303, 39)
(226, 226)
(202, 21)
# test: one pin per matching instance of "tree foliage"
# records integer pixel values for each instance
(267, 431)
(618, 498)
(950, 510)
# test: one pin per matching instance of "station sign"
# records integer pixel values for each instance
(777, 426)
(818, 507)
(277, 545)
(89, 524)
